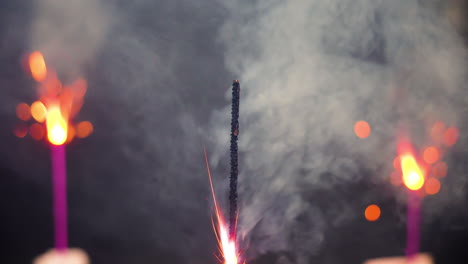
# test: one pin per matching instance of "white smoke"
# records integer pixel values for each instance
(69, 33)
(308, 71)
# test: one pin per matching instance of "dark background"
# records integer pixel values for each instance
(129, 198)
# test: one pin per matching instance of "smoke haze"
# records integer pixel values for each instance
(158, 90)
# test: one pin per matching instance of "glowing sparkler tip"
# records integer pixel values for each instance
(412, 175)
(56, 127)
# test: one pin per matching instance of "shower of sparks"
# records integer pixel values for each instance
(226, 244)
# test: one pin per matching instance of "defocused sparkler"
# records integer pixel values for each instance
(413, 178)
(56, 106)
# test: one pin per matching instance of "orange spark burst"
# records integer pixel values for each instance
(56, 126)
(227, 246)
(58, 104)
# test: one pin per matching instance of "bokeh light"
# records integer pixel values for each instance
(372, 213)
(37, 131)
(437, 131)
(37, 66)
(23, 112)
(21, 130)
(450, 136)
(440, 169)
(84, 129)
(412, 175)
(432, 186)
(431, 155)
(38, 111)
(362, 129)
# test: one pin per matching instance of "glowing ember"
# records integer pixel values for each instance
(362, 129)
(56, 126)
(372, 213)
(226, 245)
(412, 174)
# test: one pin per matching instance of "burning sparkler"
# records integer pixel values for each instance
(226, 244)
(226, 232)
(413, 178)
(56, 106)
(234, 159)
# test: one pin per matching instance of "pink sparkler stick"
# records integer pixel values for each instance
(59, 181)
(412, 225)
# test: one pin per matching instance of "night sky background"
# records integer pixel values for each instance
(159, 75)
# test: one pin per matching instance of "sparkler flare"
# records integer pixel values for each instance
(412, 174)
(56, 106)
(413, 178)
(226, 243)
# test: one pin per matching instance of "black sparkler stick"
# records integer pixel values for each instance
(234, 159)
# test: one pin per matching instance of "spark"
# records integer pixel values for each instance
(226, 244)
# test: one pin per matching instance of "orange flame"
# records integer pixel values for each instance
(58, 104)
(56, 126)
(227, 246)
(412, 173)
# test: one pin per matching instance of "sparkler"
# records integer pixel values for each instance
(234, 159)
(413, 178)
(226, 232)
(226, 244)
(57, 105)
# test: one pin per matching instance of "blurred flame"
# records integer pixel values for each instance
(412, 175)
(56, 126)
(226, 244)
(37, 66)
(57, 104)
